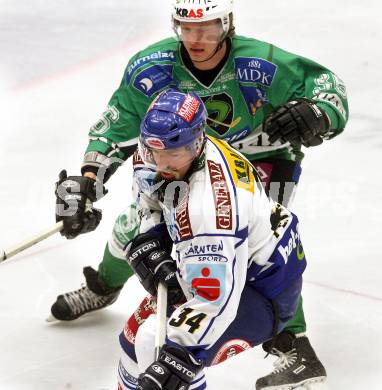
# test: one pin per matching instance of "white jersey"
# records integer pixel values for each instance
(220, 221)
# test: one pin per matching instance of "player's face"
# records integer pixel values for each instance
(201, 39)
(172, 164)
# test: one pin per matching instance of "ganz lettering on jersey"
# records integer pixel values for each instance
(157, 56)
(222, 196)
(255, 70)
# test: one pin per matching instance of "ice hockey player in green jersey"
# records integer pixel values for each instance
(267, 103)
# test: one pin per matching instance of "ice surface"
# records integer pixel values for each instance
(60, 62)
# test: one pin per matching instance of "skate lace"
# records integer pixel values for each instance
(285, 360)
(83, 300)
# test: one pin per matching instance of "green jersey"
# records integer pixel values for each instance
(256, 78)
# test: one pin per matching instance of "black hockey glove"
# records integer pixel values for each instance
(175, 369)
(152, 264)
(298, 122)
(75, 196)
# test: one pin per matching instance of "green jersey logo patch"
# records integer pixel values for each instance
(220, 113)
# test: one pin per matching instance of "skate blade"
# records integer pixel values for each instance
(318, 383)
(315, 384)
(51, 319)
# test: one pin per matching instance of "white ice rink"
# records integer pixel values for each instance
(60, 62)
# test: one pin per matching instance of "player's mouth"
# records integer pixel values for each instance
(168, 175)
(196, 50)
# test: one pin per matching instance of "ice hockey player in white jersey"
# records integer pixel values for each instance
(234, 279)
(266, 102)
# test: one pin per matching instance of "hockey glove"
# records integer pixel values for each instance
(175, 369)
(298, 122)
(152, 264)
(75, 197)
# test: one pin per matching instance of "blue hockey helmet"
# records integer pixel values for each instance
(173, 120)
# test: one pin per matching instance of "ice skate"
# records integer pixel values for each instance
(297, 366)
(95, 295)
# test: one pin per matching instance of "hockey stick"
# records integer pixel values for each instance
(232, 124)
(7, 253)
(160, 333)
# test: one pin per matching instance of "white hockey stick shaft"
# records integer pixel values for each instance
(160, 334)
(7, 253)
